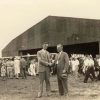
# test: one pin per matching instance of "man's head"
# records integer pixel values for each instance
(22, 58)
(45, 46)
(59, 47)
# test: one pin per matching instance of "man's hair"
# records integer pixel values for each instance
(45, 43)
(59, 45)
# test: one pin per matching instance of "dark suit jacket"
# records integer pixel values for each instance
(23, 63)
(63, 63)
(43, 60)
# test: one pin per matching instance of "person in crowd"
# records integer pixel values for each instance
(12, 64)
(98, 67)
(75, 66)
(62, 61)
(3, 71)
(9, 65)
(4, 63)
(53, 68)
(28, 60)
(36, 67)
(70, 68)
(23, 65)
(17, 66)
(32, 68)
(0, 65)
(44, 69)
(89, 69)
(81, 61)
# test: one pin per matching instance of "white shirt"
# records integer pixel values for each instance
(74, 64)
(98, 60)
(88, 62)
(59, 54)
(44, 50)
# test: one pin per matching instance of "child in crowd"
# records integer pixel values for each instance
(32, 68)
(3, 72)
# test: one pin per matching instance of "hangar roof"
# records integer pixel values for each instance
(55, 29)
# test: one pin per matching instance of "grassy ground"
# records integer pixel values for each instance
(21, 89)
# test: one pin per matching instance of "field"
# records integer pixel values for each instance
(26, 89)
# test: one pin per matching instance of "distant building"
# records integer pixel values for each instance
(78, 35)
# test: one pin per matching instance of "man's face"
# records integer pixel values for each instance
(45, 46)
(59, 48)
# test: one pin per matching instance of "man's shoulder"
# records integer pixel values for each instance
(39, 51)
(47, 51)
(21, 60)
(64, 53)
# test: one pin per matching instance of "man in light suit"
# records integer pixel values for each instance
(44, 69)
(62, 61)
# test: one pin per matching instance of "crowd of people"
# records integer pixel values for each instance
(85, 65)
(78, 64)
(18, 67)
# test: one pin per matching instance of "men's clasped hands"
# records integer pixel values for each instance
(51, 64)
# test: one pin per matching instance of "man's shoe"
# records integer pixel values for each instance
(85, 82)
(66, 94)
(61, 94)
(48, 94)
(39, 95)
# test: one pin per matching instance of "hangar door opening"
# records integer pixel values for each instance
(29, 51)
(83, 48)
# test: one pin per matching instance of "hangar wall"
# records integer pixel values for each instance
(54, 29)
(73, 30)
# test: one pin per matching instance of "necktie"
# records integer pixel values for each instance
(58, 57)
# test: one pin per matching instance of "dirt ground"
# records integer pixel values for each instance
(26, 89)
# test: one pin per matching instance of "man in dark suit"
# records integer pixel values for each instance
(23, 65)
(62, 61)
(44, 69)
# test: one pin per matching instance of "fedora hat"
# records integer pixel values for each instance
(64, 75)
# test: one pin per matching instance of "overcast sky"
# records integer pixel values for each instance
(16, 16)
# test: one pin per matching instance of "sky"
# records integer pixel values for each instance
(16, 16)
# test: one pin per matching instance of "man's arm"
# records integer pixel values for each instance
(66, 63)
(41, 61)
(56, 58)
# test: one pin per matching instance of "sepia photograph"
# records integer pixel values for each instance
(49, 50)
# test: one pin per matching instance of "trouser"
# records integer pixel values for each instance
(0, 70)
(98, 75)
(9, 72)
(24, 73)
(75, 73)
(80, 69)
(89, 74)
(44, 76)
(54, 70)
(62, 85)
(98, 70)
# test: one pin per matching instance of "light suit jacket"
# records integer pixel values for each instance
(43, 60)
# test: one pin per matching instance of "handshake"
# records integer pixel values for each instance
(51, 64)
